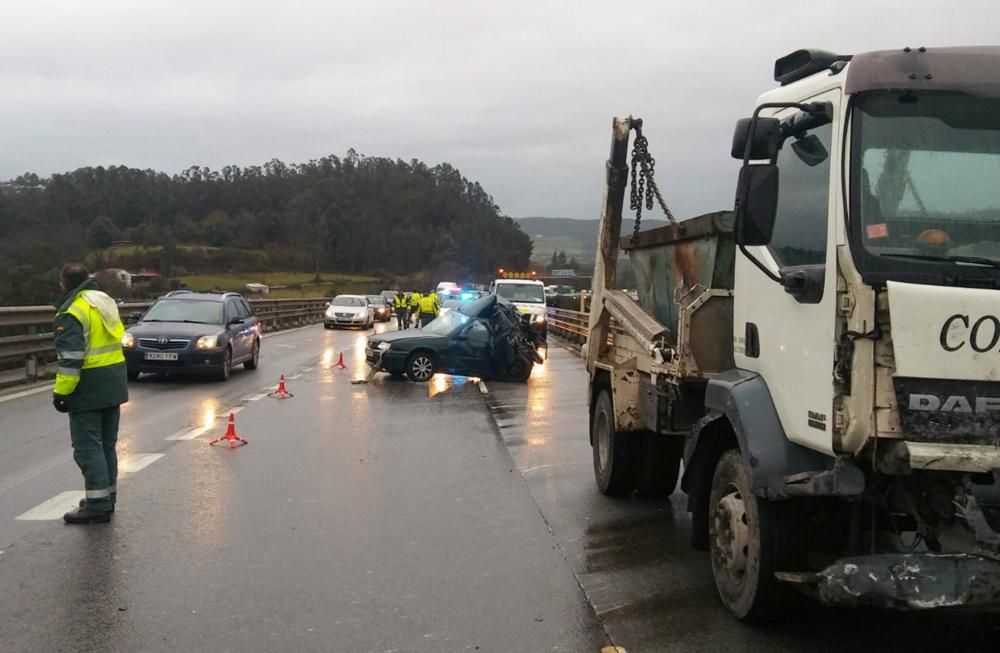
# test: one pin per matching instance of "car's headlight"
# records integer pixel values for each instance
(329, 312)
(384, 346)
(128, 340)
(538, 319)
(207, 342)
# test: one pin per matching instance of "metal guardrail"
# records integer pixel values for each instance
(572, 326)
(35, 342)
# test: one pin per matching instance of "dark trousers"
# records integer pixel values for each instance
(426, 318)
(402, 318)
(95, 434)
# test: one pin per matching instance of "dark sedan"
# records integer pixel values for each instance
(469, 340)
(194, 334)
(382, 307)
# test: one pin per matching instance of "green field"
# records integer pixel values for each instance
(296, 284)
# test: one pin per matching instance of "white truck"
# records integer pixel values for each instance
(825, 359)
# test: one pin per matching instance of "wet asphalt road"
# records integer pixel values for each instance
(388, 517)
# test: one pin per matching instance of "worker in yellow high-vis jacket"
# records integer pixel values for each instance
(91, 385)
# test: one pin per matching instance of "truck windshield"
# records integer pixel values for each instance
(528, 293)
(926, 180)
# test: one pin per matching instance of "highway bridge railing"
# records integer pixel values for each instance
(572, 326)
(26, 331)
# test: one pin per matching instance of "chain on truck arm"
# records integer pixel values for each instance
(643, 185)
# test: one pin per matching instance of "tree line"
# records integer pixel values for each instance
(353, 214)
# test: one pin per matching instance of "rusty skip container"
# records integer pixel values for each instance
(672, 261)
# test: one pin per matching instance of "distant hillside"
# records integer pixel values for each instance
(578, 238)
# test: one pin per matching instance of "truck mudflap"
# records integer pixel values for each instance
(905, 581)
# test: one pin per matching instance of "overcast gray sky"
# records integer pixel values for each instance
(518, 95)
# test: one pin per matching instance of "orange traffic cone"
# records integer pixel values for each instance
(230, 436)
(340, 362)
(281, 393)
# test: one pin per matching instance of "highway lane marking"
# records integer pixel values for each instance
(26, 393)
(54, 508)
(139, 461)
(259, 395)
(281, 333)
(231, 411)
(190, 434)
(293, 377)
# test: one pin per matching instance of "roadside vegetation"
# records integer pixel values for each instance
(399, 221)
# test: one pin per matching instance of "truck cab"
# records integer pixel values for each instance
(839, 432)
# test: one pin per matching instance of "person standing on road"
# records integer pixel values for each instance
(91, 385)
(402, 306)
(415, 308)
(429, 306)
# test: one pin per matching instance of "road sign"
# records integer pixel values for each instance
(563, 273)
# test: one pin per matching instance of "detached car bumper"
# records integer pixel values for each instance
(393, 362)
(189, 361)
(906, 582)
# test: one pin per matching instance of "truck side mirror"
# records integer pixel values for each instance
(766, 138)
(756, 204)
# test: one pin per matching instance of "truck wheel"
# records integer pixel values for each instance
(616, 455)
(660, 465)
(749, 540)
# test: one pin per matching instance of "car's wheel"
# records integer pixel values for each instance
(520, 370)
(132, 375)
(616, 454)
(254, 360)
(660, 465)
(750, 538)
(227, 364)
(420, 367)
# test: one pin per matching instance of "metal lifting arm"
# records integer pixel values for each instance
(606, 260)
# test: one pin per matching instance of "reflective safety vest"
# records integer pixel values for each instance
(415, 300)
(429, 304)
(400, 301)
(102, 339)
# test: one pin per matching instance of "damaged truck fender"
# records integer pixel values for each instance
(739, 402)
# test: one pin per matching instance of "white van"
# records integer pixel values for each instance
(527, 295)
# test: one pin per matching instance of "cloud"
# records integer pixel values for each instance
(518, 95)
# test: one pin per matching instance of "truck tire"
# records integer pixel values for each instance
(616, 454)
(660, 465)
(750, 538)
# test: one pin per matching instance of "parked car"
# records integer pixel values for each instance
(193, 333)
(381, 307)
(349, 310)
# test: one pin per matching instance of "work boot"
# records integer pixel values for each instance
(83, 502)
(84, 516)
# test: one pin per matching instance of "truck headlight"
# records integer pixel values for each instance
(384, 346)
(207, 342)
(538, 319)
(128, 340)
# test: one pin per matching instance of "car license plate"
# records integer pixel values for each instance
(160, 356)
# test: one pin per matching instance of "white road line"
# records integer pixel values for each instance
(225, 414)
(482, 388)
(54, 508)
(281, 333)
(258, 396)
(26, 393)
(293, 377)
(139, 461)
(190, 434)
